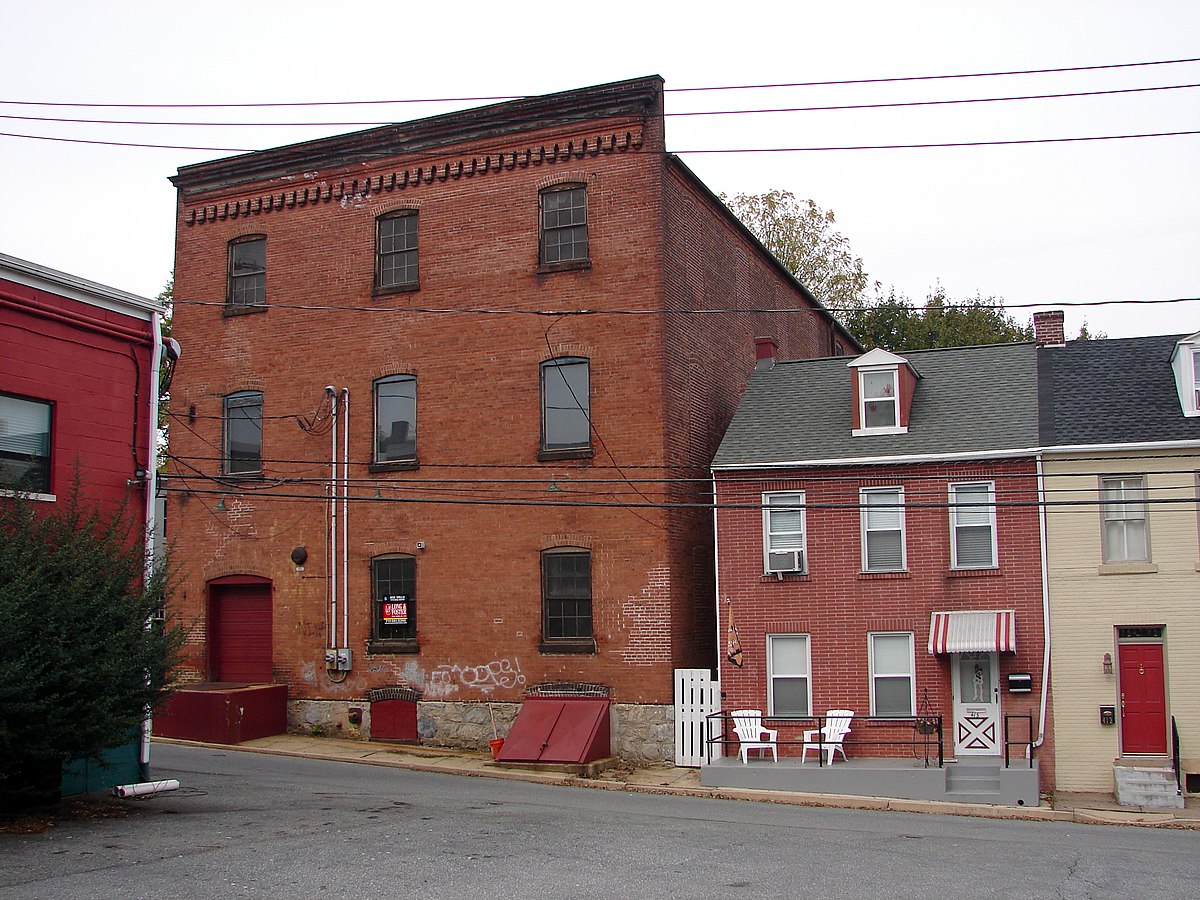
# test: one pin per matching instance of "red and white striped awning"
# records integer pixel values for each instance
(971, 632)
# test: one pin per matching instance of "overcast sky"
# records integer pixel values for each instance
(1054, 223)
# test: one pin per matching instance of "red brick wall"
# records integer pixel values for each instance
(93, 365)
(837, 605)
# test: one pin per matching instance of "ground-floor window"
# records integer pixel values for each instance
(893, 692)
(789, 682)
(394, 584)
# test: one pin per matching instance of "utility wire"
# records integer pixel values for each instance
(711, 112)
(683, 90)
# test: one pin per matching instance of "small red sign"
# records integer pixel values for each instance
(395, 612)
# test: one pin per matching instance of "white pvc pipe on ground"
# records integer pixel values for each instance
(146, 788)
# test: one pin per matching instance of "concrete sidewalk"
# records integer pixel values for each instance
(1093, 809)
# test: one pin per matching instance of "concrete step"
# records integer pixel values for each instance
(1148, 786)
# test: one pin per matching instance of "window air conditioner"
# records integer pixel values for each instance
(780, 561)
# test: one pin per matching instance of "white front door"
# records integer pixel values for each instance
(976, 704)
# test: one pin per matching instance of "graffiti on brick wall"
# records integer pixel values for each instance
(450, 678)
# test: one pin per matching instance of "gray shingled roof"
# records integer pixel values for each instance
(1115, 391)
(968, 399)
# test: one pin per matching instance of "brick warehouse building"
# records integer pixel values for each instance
(475, 550)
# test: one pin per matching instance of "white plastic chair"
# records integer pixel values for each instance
(748, 725)
(837, 726)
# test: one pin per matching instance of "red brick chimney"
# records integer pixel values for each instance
(766, 351)
(1048, 328)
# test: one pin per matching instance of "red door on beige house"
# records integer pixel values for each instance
(1143, 699)
(239, 630)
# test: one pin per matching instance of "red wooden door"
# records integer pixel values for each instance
(240, 632)
(1143, 699)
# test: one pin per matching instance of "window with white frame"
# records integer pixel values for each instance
(25, 444)
(973, 525)
(893, 688)
(880, 398)
(784, 538)
(1196, 378)
(789, 681)
(1126, 536)
(882, 529)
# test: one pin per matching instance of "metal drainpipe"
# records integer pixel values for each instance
(1041, 479)
(345, 517)
(151, 483)
(333, 548)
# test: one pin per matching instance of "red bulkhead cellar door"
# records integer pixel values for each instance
(557, 729)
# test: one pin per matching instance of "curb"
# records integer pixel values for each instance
(830, 801)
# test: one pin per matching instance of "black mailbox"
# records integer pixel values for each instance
(1108, 715)
(1020, 683)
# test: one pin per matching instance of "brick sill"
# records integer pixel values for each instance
(991, 572)
(246, 310)
(787, 576)
(395, 465)
(883, 576)
(396, 289)
(553, 647)
(553, 455)
(572, 266)
(381, 646)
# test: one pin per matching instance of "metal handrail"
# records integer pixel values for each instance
(724, 739)
(1175, 756)
(1027, 743)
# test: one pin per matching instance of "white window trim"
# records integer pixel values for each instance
(863, 526)
(862, 402)
(766, 531)
(771, 674)
(41, 498)
(1195, 394)
(1106, 557)
(991, 509)
(912, 667)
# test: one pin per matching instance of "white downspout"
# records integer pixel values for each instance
(151, 483)
(333, 548)
(1041, 479)
(345, 517)
(717, 575)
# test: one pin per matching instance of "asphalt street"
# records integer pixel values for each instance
(251, 825)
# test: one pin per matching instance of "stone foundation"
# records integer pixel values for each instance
(641, 733)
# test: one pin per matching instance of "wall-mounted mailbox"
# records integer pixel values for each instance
(1108, 715)
(1020, 683)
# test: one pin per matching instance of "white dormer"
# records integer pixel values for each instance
(1185, 361)
(882, 388)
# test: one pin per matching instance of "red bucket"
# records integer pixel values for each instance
(496, 745)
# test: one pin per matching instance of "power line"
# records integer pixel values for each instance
(552, 313)
(693, 113)
(683, 90)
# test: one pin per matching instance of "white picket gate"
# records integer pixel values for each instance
(696, 697)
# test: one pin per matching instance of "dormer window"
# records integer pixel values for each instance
(883, 385)
(880, 402)
(1185, 363)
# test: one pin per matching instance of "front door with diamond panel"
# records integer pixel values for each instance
(976, 704)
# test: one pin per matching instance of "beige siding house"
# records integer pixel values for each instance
(1120, 423)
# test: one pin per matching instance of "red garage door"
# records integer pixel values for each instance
(240, 632)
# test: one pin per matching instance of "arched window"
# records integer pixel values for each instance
(247, 271)
(396, 250)
(566, 594)
(566, 406)
(564, 231)
(396, 419)
(243, 438)
(393, 593)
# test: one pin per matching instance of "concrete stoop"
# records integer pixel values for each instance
(1149, 786)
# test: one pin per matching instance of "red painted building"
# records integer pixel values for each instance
(78, 395)
(879, 550)
(523, 405)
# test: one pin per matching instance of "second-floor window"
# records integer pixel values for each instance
(882, 529)
(248, 271)
(243, 441)
(394, 586)
(396, 258)
(564, 231)
(783, 533)
(396, 419)
(1126, 537)
(566, 405)
(973, 525)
